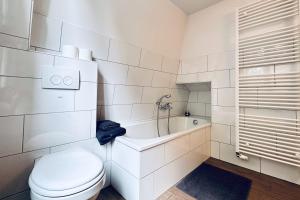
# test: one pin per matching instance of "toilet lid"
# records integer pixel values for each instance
(66, 170)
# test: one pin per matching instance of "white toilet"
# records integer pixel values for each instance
(74, 174)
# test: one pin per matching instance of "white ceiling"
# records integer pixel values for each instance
(192, 6)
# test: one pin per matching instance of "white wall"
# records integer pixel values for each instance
(208, 55)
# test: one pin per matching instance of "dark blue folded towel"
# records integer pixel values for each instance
(107, 136)
(106, 125)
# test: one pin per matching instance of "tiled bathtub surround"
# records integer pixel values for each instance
(208, 54)
(154, 170)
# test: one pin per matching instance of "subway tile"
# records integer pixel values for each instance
(204, 96)
(93, 123)
(176, 148)
(221, 79)
(179, 94)
(232, 135)
(197, 138)
(151, 60)
(112, 73)
(47, 130)
(127, 158)
(105, 94)
(121, 179)
(193, 97)
(187, 78)
(151, 95)
(196, 109)
(124, 53)
(170, 65)
(86, 97)
(23, 63)
(223, 115)
(14, 42)
(11, 135)
(198, 86)
(226, 97)
(147, 188)
(142, 111)
(168, 175)
(127, 94)
(194, 65)
(220, 61)
(232, 78)
(45, 32)
(206, 77)
(220, 133)
(178, 109)
(140, 77)
(228, 154)
(26, 96)
(208, 110)
(73, 35)
(214, 97)
(116, 112)
(15, 171)
(215, 149)
(173, 79)
(88, 70)
(46, 51)
(161, 79)
(16, 24)
(280, 170)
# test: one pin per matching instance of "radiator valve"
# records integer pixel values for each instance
(241, 156)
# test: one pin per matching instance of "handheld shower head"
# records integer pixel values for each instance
(167, 96)
(161, 98)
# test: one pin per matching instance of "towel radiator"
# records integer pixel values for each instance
(268, 81)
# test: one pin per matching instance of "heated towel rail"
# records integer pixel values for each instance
(268, 81)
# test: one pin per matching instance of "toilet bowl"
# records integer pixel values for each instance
(74, 174)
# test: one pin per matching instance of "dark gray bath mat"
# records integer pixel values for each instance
(211, 183)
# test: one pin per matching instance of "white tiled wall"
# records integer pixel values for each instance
(199, 102)
(16, 19)
(130, 78)
(215, 40)
(35, 121)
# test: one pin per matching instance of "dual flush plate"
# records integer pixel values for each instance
(56, 78)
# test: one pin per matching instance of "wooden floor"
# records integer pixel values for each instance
(263, 187)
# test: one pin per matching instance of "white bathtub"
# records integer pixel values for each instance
(145, 165)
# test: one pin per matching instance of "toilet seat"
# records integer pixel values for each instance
(66, 173)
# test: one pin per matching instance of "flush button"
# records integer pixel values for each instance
(68, 80)
(55, 80)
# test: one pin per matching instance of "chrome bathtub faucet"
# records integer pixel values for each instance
(163, 106)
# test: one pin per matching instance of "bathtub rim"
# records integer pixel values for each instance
(144, 144)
